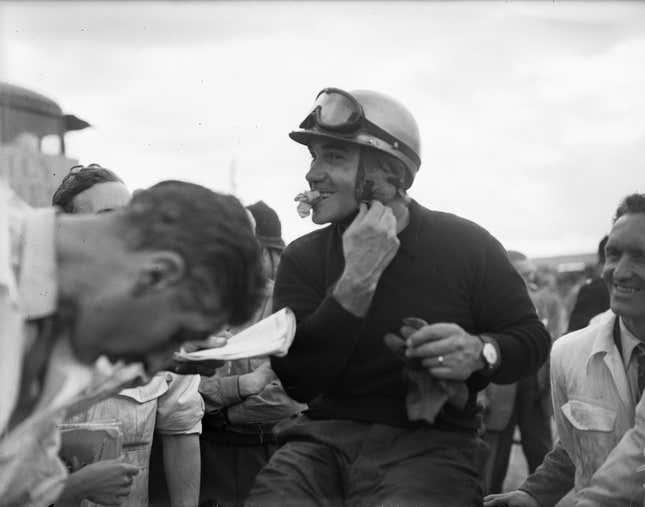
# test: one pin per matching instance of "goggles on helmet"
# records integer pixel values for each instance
(338, 112)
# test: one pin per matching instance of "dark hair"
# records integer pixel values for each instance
(268, 229)
(380, 176)
(515, 256)
(634, 203)
(601, 249)
(397, 173)
(213, 235)
(78, 180)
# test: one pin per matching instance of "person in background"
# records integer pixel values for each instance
(91, 189)
(619, 480)
(597, 379)
(527, 403)
(388, 292)
(244, 399)
(593, 297)
(169, 404)
(176, 264)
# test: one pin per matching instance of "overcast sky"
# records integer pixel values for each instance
(532, 114)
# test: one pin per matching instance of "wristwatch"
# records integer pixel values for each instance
(489, 354)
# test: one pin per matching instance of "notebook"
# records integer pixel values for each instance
(85, 443)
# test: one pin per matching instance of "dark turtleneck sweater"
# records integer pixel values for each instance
(447, 269)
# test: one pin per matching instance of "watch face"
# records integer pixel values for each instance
(490, 353)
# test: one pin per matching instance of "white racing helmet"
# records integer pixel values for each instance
(366, 118)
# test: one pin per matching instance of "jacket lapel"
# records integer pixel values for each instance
(604, 346)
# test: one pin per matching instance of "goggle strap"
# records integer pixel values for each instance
(311, 125)
(392, 141)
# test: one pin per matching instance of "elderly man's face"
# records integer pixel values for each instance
(334, 165)
(624, 270)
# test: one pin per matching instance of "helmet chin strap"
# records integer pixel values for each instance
(363, 192)
(363, 188)
(367, 189)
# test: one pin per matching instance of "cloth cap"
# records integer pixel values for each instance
(268, 229)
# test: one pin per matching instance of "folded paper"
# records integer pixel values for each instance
(270, 337)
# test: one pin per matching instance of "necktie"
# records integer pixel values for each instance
(639, 352)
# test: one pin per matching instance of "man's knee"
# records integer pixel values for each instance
(299, 473)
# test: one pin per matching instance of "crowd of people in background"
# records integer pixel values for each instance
(421, 350)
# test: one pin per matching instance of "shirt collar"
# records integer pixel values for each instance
(37, 282)
(604, 339)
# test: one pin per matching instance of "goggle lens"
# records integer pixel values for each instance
(334, 110)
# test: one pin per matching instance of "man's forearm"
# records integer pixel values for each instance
(182, 465)
(553, 479)
(220, 392)
(73, 493)
(269, 406)
(354, 294)
(323, 344)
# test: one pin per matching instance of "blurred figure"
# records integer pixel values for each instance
(619, 481)
(598, 378)
(169, 404)
(245, 399)
(550, 299)
(593, 297)
(91, 189)
(526, 404)
(177, 264)
(268, 231)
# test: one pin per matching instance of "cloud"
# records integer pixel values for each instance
(530, 113)
(111, 25)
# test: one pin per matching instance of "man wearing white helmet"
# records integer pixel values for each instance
(391, 422)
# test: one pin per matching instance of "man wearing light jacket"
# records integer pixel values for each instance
(597, 378)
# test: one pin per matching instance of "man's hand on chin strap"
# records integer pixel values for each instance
(369, 245)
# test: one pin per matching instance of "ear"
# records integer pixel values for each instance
(160, 270)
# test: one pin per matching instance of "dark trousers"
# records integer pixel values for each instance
(346, 463)
(531, 413)
(229, 469)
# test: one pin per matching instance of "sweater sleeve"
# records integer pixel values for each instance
(272, 405)
(553, 479)
(326, 333)
(219, 391)
(505, 313)
(556, 475)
